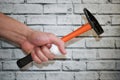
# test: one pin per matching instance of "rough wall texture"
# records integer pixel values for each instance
(88, 57)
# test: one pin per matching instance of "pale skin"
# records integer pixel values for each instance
(35, 42)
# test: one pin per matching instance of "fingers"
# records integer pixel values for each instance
(57, 42)
(42, 54)
(47, 52)
(35, 58)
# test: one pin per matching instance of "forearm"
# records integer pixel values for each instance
(13, 30)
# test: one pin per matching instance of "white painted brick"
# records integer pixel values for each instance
(58, 30)
(115, 1)
(111, 31)
(86, 76)
(11, 1)
(93, 8)
(111, 75)
(69, 1)
(5, 53)
(30, 76)
(109, 53)
(118, 65)
(38, 28)
(7, 75)
(50, 65)
(58, 8)
(67, 56)
(20, 18)
(0, 43)
(41, 1)
(116, 19)
(7, 44)
(41, 19)
(59, 76)
(102, 42)
(10, 65)
(84, 54)
(17, 54)
(27, 8)
(69, 19)
(74, 65)
(6, 8)
(101, 65)
(109, 8)
(103, 19)
(95, 1)
(118, 43)
(76, 42)
(0, 65)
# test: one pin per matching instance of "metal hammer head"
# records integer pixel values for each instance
(93, 22)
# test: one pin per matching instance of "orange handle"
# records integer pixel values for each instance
(77, 32)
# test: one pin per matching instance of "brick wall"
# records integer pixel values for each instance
(88, 57)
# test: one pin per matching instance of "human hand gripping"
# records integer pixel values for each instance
(39, 44)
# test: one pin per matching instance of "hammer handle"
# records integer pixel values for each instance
(54, 49)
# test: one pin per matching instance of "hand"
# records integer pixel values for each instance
(38, 44)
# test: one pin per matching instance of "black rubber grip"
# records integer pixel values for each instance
(24, 61)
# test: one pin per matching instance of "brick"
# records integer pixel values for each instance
(7, 75)
(115, 1)
(69, 19)
(6, 8)
(27, 8)
(0, 43)
(59, 76)
(78, 8)
(0, 65)
(102, 43)
(100, 65)
(111, 75)
(11, 1)
(21, 8)
(58, 30)
(30, 75)
(76, 43)
(20, 18)
(5, 53)
(118, 43)
(84, 54)
(118, 65)
(8, 44)
(109, 53)
(109, 8)
(69, 1)
(50, 65)
(41, 1)
(41, 19)
(38, 28)
(86, 76)
(17, 54)
(111, 31)
(58, 8)
(95, 1)
(74, 65)
(116, 19)
(10, 65)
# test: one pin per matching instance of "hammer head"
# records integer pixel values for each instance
(93, 22)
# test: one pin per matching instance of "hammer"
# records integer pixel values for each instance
(92, 24)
